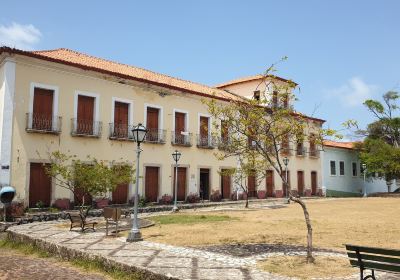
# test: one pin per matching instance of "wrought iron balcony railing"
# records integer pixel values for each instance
(224, 143)
(314, 153)
(157, 136)
(181, 138)
(205, 141)
(286, 151)
(301, 151)
(43, 123)
(86, 128)
(120, 132)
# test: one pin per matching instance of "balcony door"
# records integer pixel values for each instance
(180, 119)
(85, 115)
(121, 119)
(204, 122)
(152, 124)
(42, 115)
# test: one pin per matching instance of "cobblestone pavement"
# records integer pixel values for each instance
(171, 261)
(14, 266)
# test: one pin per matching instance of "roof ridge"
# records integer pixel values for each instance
(127, 65)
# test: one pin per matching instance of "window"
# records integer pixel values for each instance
(155, 133)
(180, 135)
(256, 95)
(300, 148)
(341, 168)
(333, 167)
(86, 112)
(204, 137)
(354, 168)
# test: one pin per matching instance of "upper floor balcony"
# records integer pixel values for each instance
(120, 132)
(301, 151)
(86, 128)
(43, 123)
(314, 153)
(205, 141)
(156, 136)
(181, 138)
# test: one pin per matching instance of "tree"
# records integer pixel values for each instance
(261, 129)
(380, 147)
(95, 178)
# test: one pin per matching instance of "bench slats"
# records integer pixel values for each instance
(374, 258)
(378, 266)
(373, 250)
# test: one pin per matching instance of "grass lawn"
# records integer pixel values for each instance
(371, 221)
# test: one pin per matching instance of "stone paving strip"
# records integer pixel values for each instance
(154, 260)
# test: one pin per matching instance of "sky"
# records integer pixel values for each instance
(339, 52)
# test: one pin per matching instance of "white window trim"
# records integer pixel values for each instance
(160, 115)
(96, 114)
(330, 169)
(130, 108)
(55, 90)
(344, 168)
(186, 119)
(354, 162)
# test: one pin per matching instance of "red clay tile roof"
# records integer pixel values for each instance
(88, 62)
(343, 145)
(249, 79)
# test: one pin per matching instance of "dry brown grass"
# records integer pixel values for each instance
(296, 266)
(371, 221)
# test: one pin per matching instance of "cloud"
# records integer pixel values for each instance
(19, 36)
(353, 93)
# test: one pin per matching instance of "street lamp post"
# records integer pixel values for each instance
(176, 156)
(286, 162)
(139, 134)
(365, 186)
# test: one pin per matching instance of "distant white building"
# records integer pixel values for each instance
(342, 172)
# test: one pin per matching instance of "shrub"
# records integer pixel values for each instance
(193, 198)
(216, 196)
(166, 199)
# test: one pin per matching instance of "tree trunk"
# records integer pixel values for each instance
(310, 258)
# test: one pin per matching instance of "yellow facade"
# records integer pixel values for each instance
(69, 81)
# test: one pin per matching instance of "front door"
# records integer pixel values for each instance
(300, 182)
(120, 194)
(225, 184)
(313, 182)
(284, 188)
(270, 183)
(42, 117)
(251, 186)
(181, 183)
(151, 183)
(85, 115)
(121, 119)
(204, 183)
(39, 186)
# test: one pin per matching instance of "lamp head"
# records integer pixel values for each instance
(176, 155)
(139, 133)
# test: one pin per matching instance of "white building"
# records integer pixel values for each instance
(343, 173)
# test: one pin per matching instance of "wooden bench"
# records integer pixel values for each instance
(77, 220)
(387, 260)
(112, 216)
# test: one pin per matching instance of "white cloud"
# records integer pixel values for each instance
(353, 93)
(19, 36)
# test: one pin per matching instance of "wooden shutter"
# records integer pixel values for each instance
(204, 131)
(251, 185)
(151, 183)
(39, 185)
(179, 127)
(300, 182)
(226, 185)
(224, 131)
(121, 119)
(120, 194)
(283, 184)
(85, 114)
(42, 115)
(270, 183)
(313, 182)
(181, 183)
(152, 124)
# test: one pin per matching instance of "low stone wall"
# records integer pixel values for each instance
(73, 254)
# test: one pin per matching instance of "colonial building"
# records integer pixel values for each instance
(62, 100)
(343, 173)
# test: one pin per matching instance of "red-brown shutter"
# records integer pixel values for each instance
(226, 185)
(42, 117)
(270, 183)
(313, 182)
(181, 183)
(39, 185)
(85, 114)
(251, 185)
(121, 119)
(300, 182)
(151, 183)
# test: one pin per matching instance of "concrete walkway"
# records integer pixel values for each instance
(157, 261)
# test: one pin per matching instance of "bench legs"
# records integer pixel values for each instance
(371, 276)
